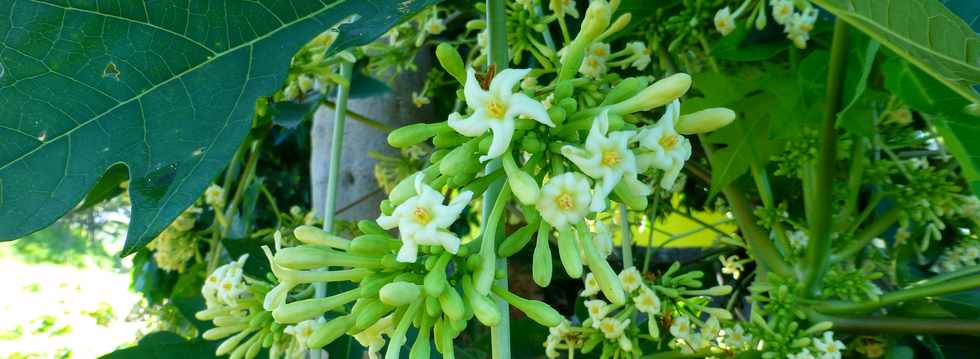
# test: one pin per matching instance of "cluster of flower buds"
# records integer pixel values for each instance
(401, 284)
(176, 244)
(796, 24)
(965, 253)
(234, 305)
(674, 303)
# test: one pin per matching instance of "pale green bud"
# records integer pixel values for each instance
(706, 120)
(451, 61)
(223, 332)
(316, 236)
(305, 82)
(818, 328)
(596, 20)
(397, 294)
(330, 331)
(230, 344)
(415, 133)
(298, 311)
(658, 94)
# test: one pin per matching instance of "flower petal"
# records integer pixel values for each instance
(408, 253)
(502, 85)
(475, 96)
(521, 104)
(475, 125)
(503, 131)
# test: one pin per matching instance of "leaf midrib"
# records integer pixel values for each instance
(209, 60)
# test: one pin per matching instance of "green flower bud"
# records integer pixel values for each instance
(713, 291)
(372, 284)
(420, 349)
(484, 308)
(703, 121)
(591, 343)
(462, 179)
(435, 281)
(370, 314)
(415, 133)
(516, 241)
(447, 140)
(305, 82)
(386, 207)
(452, 304)
(626, 195)
(443, 336)
(596, 20)
(397, 294)
(569, 254)
(563, 90)
(231, 343)
(819, 328)
(298, 311)
(604, 275)
(330, 331)
(569, 104)
(478, 186)
(538, 311)
(541, 265)
(557, 115)
(477, 24)
(404, 190)
(211, 313)
(524, 187)
(451, 61)
(460, 157)
(658, 94)
(306, 257)
(223, 332)
(624, 90)
(316, 236)
(367, 226)
(619, 24)
(256, 346)
(432, 307)
(374, 244)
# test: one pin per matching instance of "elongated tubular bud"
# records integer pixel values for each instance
(374, 244)
(228, 320)
(367, 226)
(452, 304)
(568, 253)
(446, 140)
(435, 281)
(211, 313)
(231, 343)
(404, 190)
(442, 337)
(451, 61)
(617, 25)
(484, 308)
(633, 200)
(524, 187)
(240, 351)
(432, 306)
(415, 133)
(624, 90)
(399, 293)
(658, 94)
(370, 314)
(260, 320)
(516, 241)
(459, 158)
(706, 120)
(596, 20)
(541, 266)
(223, 332)
(483, 277)
(479, 185)
(306, 257)
(604, 275)
(253, 349)
(538, 311)
(421, 349)
(397, 338)
(330, 331)
(298, 276)
(316, 236)
(298, 311)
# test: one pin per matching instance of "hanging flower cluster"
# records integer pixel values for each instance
(176, 244)
(796, 17)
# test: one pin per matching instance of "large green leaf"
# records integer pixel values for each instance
(923, 32)
(167, 88)
(166, 345)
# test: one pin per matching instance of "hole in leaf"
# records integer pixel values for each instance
(111, 71)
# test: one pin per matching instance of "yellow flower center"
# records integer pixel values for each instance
(600, 51)
(496, 109)
(595, 310)
(722, 23)
(668, 141)
(611, 158)
(608, 327)
(831, 349)
(307, 331)
(421, 215)
(565, 201)
(226, 286)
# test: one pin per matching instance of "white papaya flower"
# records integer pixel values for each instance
(564, 200)
(592, 66)
(731, 265)
(607, 158)
(591, 286)
(631, 279)
(647, 301)
(372, 338)
(214, 196)
(782, 10)
(597, 309)
(641, 54)
(664, 148)
(564, 7)
(302, 331)
(828, 347)
(725, 20)
(435, 25)
(805, 354)
(424, 220)
(613, 328)
(681, 328)
(496, 109)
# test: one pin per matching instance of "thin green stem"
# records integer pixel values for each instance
(869, 233)
(888, 324)
(706, 225)
(360, 118)
(902, 295)
(653, 223)
(855, 173)
(498, 57)
(626, 238)
(765, 192)
(818, 248)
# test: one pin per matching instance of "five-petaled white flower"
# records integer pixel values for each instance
(731, 265)
(607, 158)
(564, 200)
(631, 279)
(214, 196)
(423, 220)
(591, 285)
(828, 347)
(613, 328)
(225, 285)
(495, 109)
(664, 148)
(737, 338)
(647, 301)
(597, 309)
(563, 7)
(782, 10)
(302, 331)
(681, 328)
(805, 354)
(435, 25)
(641, 54)
(725, 20)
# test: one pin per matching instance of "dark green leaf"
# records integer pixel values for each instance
(167, 90)
(363, 86)
(733, 47)
(107, 187)
(923, 32)
(900, 352)
(852, 117)
(166, 345)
